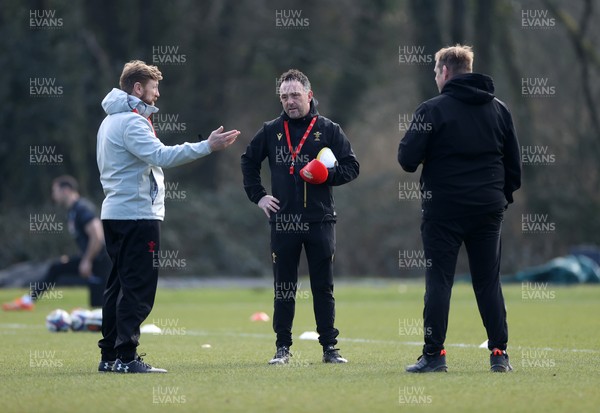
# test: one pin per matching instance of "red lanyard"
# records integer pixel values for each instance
(293, 152)
(149, 120)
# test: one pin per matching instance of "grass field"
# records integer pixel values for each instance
(554, 348)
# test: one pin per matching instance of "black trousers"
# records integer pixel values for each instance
(131, 286)
(60, 270)
(442, 240)
(318, 240)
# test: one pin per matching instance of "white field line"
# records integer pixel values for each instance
(204, 333)
(15, 326)
(372, 341)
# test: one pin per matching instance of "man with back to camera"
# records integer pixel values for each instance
(308, 154)
(130, 159)
(92, 263)
(467, 144)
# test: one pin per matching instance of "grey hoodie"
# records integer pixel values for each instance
(130, 158)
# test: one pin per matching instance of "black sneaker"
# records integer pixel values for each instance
(428, 363)
(136, 365)
(499, 361)
(106, 366)
(332, 355)
(282, 356)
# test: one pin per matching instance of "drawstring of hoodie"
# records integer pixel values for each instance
(153, 184)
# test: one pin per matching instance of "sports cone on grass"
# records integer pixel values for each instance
(260, 316)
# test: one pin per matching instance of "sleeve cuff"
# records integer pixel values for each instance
(207, 150)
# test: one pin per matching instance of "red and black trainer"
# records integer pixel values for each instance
(499, 361)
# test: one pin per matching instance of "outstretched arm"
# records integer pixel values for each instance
(141, 141)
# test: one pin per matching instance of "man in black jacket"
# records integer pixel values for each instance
(301, 210)
(467, 144)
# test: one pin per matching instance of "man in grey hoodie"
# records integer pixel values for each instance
(130, 159)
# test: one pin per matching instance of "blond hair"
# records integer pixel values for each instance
(137, 71)
(458, 58)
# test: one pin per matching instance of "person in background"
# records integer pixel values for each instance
(92, 262)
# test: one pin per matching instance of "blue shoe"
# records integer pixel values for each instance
(136, 365)
(106, 366)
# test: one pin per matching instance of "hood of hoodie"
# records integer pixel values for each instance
(118, 101)
(471, 88)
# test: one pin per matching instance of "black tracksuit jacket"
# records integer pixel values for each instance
(467, 144)
(313, 203)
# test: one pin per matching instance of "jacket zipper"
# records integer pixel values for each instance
(304, 194)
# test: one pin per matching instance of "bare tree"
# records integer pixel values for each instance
(427, 33)
(484, 34)
(457, 21)
(587, 55)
